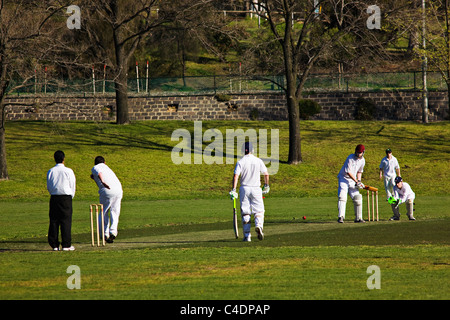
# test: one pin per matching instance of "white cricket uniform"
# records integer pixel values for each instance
(389, 167)
(405, 193)
(110, 198)
(352, 164)
(250, 169)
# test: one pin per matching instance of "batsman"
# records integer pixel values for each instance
(349, 178)
(249, 168)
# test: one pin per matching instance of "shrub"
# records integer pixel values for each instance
(254, 114)
(308, 108)
(365, 109)
(222, 97)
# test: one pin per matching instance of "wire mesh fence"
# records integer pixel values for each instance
(193, 85)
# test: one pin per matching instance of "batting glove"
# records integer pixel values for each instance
(265, 189)
(360, 185)
(233, 194)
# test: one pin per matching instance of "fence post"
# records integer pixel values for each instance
(93, 80)
(104, 78)
(137, 76)
(146, 79)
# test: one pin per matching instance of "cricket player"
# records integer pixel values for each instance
(110, 191)
(389, 169)
(402, 194)
(349, 179)
(250, 168)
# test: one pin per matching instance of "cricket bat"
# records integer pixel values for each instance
(369, 188)
(235, 221)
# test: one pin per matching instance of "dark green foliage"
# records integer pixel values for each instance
(365, 109)
(308, 108)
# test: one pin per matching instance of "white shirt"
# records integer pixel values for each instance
(405, 193)
(250, 168)
(109, 177)
(389, 166)
(61, 180)
(352, 164)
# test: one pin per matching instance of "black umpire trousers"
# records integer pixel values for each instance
(60, 217)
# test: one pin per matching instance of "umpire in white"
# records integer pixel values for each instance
(389, 168)
(250, 168)
(61, 186)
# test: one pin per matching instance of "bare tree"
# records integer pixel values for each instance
(116, 28)
(303, 42)
(308, 32)
(436, 36)
(22, 24)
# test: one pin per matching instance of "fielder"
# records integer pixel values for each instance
(388, 168)
(249, 168)
(110, 191)
(402, 194)
(349, 179)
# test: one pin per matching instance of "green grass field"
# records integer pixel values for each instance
(175, 237)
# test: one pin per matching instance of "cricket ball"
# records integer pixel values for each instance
(304, 217)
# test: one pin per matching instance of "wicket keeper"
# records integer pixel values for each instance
(249, 168)
(402, 194)
(349, 179)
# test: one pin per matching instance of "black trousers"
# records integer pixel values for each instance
(60, 217)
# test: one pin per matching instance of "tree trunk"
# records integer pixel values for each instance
(121, 86)
(448, 100)
(295, 152)
(3, 166)
(121, 83)
(4, 85)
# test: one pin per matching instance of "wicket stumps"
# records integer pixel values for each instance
(98, 211)
(374, 200)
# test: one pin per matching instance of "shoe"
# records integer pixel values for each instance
(247, 239)
(340, 220)
(71, 248)
(412, 218)
(56, 249)
(260, 233)
(110, 239)
(394, 218)
(360, 221)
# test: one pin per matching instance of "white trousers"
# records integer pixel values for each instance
(251, 204)
(389, 183)
(345, 189)
(111, 221)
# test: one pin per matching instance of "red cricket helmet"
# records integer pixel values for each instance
(360, 148)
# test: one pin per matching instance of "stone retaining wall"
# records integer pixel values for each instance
(335, 106)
